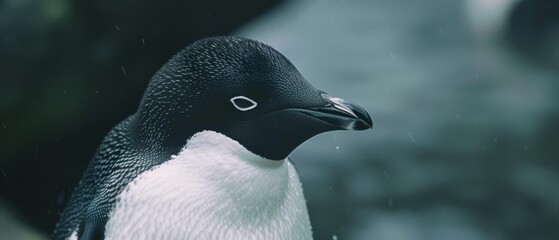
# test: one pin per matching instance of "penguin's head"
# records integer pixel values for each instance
(245, 90)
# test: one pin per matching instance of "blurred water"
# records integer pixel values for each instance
(464, 144)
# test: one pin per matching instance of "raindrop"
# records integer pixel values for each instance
(337, 140)
(4, 173)
(117, 28)
(411, 137)
(123, 71)
(334, 237)
(386, 175)
(392, 55)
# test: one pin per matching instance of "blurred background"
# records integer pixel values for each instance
(463, 95)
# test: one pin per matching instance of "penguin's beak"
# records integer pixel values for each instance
(341, 114)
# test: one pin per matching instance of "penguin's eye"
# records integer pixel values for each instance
(243, 103)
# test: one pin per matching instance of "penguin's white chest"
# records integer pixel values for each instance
(213, 189)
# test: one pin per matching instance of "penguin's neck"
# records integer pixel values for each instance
(243, 177)
(213, 189)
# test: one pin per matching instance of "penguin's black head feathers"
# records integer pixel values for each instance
(243, 89)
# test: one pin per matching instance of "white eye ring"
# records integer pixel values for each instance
(254, 104)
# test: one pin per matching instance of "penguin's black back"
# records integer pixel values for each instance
(107, 174)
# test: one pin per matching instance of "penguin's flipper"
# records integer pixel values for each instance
(93, 231)
(95, 219)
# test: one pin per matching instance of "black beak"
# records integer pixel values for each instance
(341, 113)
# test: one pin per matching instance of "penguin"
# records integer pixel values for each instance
(205, 156)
